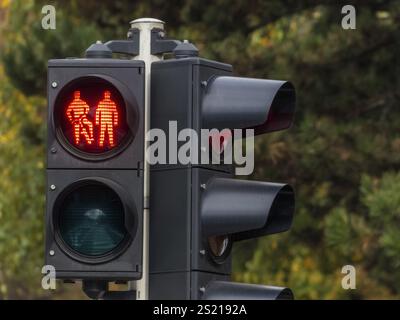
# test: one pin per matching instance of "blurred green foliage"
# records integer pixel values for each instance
(342, 154)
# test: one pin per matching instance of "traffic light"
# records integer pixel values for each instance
(198, 210)
(95, 149)
(98, 155)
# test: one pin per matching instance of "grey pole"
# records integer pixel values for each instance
(145, 25)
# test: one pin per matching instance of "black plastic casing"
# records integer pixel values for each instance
(122, 171)
(180, 261)
(128, 77)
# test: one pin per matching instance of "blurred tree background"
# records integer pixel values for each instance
(342, 154)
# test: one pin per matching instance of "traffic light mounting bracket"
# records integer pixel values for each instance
(129, 47)
(159, 44)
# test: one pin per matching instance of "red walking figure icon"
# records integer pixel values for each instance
(107, 118)
(77, 112)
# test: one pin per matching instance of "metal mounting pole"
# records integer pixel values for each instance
(145, 27)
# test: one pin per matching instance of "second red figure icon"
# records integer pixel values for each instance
(107, 118)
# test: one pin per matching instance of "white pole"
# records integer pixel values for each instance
(145, 25)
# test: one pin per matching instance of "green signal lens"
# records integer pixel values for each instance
(91, 220)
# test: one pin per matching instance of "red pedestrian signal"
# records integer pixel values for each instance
(92, 117)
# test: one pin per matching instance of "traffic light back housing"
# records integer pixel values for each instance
(198, 210)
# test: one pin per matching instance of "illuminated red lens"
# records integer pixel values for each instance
(92, 116)
(218, 141)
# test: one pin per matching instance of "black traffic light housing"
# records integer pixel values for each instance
(77, 179)
(127, 76)
(199, 210)
(123, 262)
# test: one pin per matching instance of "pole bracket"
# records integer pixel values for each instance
(129, 47)
(159, 44)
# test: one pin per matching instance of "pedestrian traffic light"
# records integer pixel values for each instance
(95, 151)
(198, 210)
(98, 179)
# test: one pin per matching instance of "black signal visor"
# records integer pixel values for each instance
(240, 103)
(223, 290)
(246, 209)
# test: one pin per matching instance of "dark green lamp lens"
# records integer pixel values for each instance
(91, 220)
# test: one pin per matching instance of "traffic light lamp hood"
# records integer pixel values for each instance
(240, 103)
(255, 208)
(223, 290)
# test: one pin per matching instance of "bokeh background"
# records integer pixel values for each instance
(342, 154)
